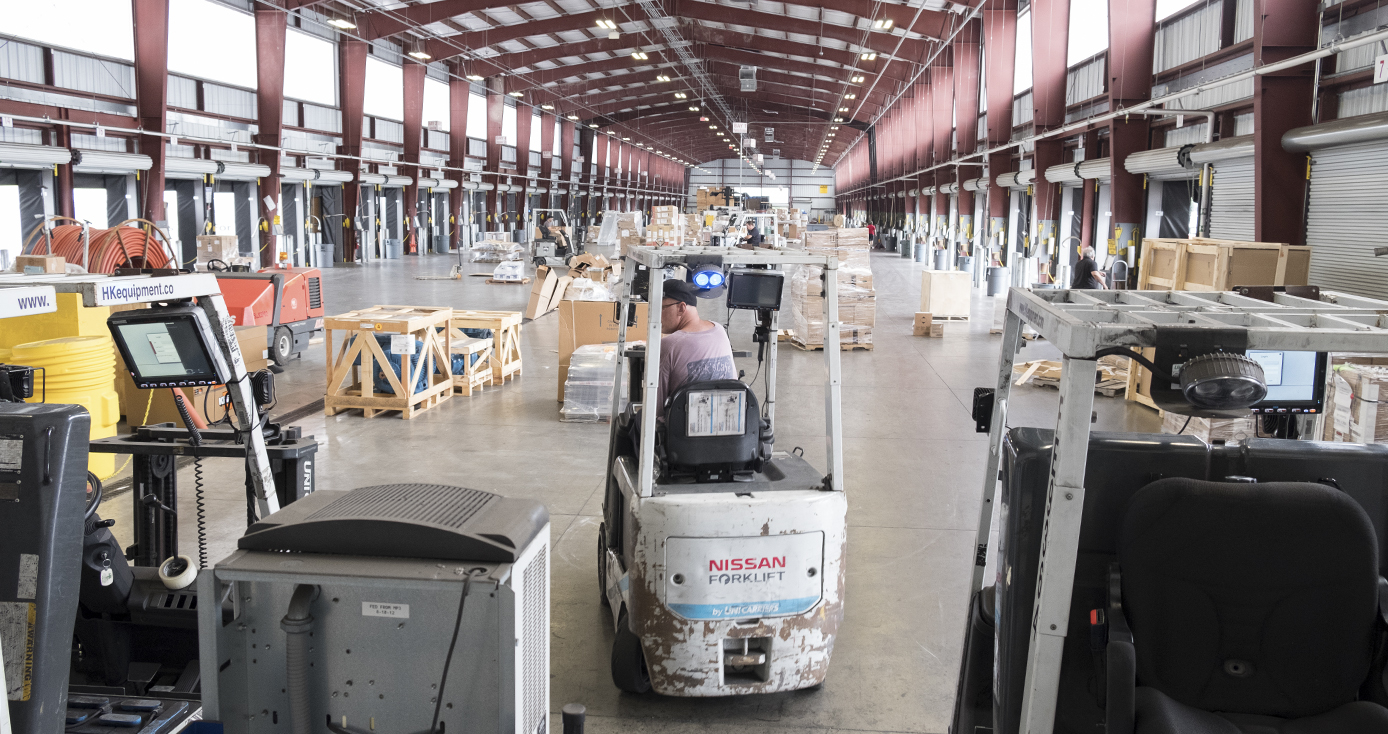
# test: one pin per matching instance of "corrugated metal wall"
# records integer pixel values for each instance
(1086, 80)
(97, 76)
(322, 118)
(1364, 101)
(1021, 109)
(21, 61)
(229, 101)
(1187, 134)
(1231, 200)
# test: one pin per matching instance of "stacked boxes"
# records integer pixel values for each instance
(1353, 401)
(667, 226)
(857, 299)
(630, 226)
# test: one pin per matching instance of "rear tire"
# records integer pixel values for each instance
(602, 564)
(629, 671)
(282, 348)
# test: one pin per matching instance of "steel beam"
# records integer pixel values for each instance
(151, 22)
(351, 94)
(1050, 34)
(1132, 25)
(496, 102)
(414, 126)
(942, 124)
(1000, 37)
(1281, 101)
(966, 73)
(459, 96)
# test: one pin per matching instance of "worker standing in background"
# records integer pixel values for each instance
(692, 349)
(1088, 276)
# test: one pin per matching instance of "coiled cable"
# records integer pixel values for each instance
(195, 438)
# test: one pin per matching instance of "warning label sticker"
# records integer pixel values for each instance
(717, 413)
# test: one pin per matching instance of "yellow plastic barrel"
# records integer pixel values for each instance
(78, 370)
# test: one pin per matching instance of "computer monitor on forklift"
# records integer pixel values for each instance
(166, 347)
(755, 289)
(1295, 380)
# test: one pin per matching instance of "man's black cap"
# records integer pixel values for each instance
(682, 291)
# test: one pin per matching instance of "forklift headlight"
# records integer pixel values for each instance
(708, 277)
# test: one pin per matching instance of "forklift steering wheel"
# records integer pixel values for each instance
(217, 266)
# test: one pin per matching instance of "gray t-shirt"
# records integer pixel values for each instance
(693, 356)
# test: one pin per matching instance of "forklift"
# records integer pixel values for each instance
(720, 557)
(555, 246)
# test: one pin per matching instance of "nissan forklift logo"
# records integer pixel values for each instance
(753, 565)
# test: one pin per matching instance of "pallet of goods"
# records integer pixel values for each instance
(857, 299)
(1354, 403)
(389, 358)
(1200, 264)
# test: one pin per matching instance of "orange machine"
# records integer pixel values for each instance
(288, 301)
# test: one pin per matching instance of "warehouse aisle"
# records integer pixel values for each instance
(913, 472)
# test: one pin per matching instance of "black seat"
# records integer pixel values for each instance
(703, 440)
(1254, 608)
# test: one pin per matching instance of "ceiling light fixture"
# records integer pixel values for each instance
(639, 55)
(474, 78)
(546, 106)
(859, 79)
(417, 51)
(517, 94)
(607, 24)
(868, 56)
(695, 108)
(681, 95)
(662, 78)
(850, 96)
(342, 23)
(882, 25)
(838, 119)
(843, 109)
(573, 117)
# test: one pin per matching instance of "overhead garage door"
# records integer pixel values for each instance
(1347, 217)
(1231, 200)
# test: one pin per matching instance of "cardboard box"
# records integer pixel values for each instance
(591, 322)
(923, 324)
(542, 292)
(217, 247)
(590, 265)
(33, 264)
(937, 330)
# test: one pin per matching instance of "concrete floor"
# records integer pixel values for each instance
(913, 471)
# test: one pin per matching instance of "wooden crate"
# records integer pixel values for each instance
(945, 294)
(1140, 381)
(350, 371)
(506, 338)
(1220, 265)
(475, 375)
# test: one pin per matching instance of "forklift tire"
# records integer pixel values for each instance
(602, 564)
(539, 261)
(282, 346)
(629, 671)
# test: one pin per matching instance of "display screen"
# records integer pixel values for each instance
(163, 353)
(755, 289)
(1295, 380)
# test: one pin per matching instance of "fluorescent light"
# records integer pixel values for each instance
(681, 95)
(639, 55)
(695, 108)
(850, 96)
(546, 106)
(474, 78)
(662, 78)
(858, 79)
(573, 117)
(519, 94)
(342, 23)
(605, 23)
(868, 56)
(882, 25)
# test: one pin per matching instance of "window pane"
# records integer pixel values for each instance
(535, 122)
(102, 27)
(315, 69)
(477, 117)
(1021, 70)
(9, 221)
(508, 124)
(436, 101)
(1088, 29)
(558, 134)
(212, 41)
(385, 90)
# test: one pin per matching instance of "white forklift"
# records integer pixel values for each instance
(736, 231)
(721, 557)
(551, 247)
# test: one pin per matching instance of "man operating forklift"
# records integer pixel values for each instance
(695, 349)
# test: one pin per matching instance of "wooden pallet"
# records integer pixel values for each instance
(948, 318)
(819, 347)
(522, 281)
(1107, 388)
(352, 369)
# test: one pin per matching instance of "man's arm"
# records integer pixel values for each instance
(1099, 276)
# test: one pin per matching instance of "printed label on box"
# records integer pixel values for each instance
(383, 609)
(402, 343)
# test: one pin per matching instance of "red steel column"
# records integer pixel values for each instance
(567, 132)
(459, 94)
(547, 158)
(270, 24)
(151, 21)
(942, 124)
(966, 72)
(1000, 39)
(925, 145)
(1281, 101)
(414, 127)
(496, 100)
(1132, 25)
(1050, 35)
(352, 93)
(525, 116)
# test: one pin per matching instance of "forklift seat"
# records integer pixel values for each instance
(1254, 608)
(713, 431)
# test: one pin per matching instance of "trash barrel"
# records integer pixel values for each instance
(998, 280)
(325, 254)
(966, 263)
(942, 259)
(393, 249)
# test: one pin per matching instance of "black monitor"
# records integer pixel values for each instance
(167, 347)
(755, 289)
(1295, 380)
